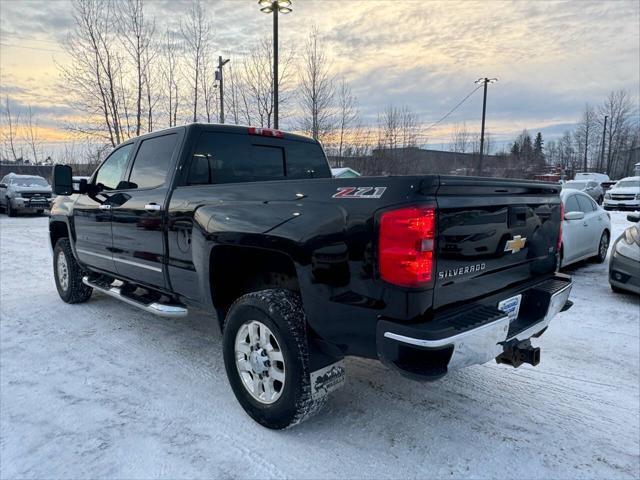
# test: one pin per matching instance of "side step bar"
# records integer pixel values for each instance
(160, 309)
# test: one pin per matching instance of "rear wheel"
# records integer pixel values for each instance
(603, 248)
(267, 360)
(68, 274)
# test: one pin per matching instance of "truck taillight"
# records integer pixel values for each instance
(560, 232)
(266, 132)
(406, 245)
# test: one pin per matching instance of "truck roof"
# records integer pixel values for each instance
(238, 129)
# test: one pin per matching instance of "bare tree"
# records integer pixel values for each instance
(460, 138)
(255, 86)
(196, 31)
(316, 89)
(136, 33)
(618, 107)
(397, 133)
(94, 76)
(233, 85)
(347, 117)
(10, 132)
(31, 135)
(585, 136)
(209, 86)
(170, 71)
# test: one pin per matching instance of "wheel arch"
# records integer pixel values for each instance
(237, 270)
(58, 229)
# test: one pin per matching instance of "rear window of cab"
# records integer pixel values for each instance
(235, 157)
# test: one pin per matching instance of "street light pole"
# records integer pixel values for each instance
(275, 68)
(484, 81)
(275, 7)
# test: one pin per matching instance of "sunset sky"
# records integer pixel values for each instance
(550, 57)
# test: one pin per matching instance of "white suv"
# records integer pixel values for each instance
(624, 195)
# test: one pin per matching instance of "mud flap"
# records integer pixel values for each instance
(327, 379)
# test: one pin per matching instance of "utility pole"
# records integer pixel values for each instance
(484, 81)
(221, 63)
(604, 131)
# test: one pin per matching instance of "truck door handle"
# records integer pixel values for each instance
(152, 207)
(105, 206)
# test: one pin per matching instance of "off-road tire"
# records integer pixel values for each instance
(76, 291)
(602, 249)
(12, 212)
(282, 312)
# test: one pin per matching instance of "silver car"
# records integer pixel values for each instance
(586, 229)
(624, 266)
(24, 193)
(590, 187)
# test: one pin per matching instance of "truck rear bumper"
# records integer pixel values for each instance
(471, 335)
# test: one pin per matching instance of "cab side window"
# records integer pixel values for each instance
(152, 163)
(572, 204)
(111, 171)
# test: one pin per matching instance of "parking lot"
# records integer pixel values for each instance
(103, 390)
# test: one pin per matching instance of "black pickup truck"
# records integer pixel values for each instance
(426, 273)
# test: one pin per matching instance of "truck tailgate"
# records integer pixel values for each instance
(493, 233)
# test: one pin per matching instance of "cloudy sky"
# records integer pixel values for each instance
(550, 56)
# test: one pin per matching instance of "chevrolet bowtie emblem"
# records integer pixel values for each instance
(515, 245)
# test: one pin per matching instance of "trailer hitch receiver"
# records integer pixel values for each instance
(518, 353)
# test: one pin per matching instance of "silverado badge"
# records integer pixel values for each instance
(515, 245)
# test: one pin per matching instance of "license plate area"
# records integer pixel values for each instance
(511, 306)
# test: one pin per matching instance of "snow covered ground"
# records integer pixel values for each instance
(103, 390)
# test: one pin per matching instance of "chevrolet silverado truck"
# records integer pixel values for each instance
(426, 273)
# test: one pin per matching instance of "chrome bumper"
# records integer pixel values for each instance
(486, 342)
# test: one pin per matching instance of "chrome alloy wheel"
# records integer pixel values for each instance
(260, 362)
(62, 271)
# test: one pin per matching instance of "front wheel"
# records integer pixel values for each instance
(10, 210)
(603, 248)
(267, 360)
(68, 274)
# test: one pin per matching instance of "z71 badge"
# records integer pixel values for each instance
(359, 192)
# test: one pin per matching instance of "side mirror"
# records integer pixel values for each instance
(83, 186)
(574, 215)
(634, 217)
(3, 185)
(62, 180)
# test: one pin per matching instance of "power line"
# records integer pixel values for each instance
(421, 133)
(32, 48)
(452, 110)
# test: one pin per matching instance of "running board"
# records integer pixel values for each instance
(160, 309)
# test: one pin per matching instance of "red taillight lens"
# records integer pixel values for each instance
(406, 246)
(266, 132)
(560, 232)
